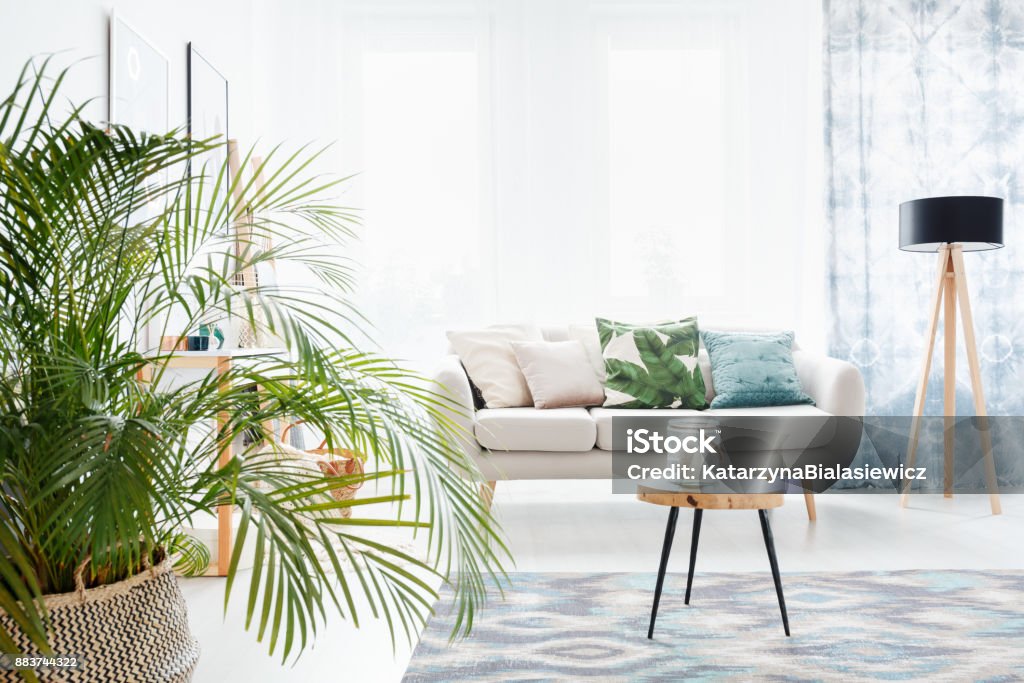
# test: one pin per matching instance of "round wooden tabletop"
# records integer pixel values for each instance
(710, 501)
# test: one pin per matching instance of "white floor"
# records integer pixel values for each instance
(581, 526)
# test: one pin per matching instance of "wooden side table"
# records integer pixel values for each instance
(700, 502)
(219, 361)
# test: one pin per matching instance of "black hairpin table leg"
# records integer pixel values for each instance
(698, 515)
(666, 550)
(769, 543)
(699, 502)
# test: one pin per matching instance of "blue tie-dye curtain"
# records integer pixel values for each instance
(923, 98)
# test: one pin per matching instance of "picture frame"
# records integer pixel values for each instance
(208, 105)
(138, 94)
(139, 80)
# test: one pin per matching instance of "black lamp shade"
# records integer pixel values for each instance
(974, 222)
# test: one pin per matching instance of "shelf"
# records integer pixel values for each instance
(223, 353)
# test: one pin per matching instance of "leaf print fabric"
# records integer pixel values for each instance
(652, 366)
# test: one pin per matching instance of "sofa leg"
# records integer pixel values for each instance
(812, 513)
(487, 493)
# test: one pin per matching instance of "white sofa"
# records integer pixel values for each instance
(575, 443)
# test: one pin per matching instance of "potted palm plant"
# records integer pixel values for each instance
(105, 462)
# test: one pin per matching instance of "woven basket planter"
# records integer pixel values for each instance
(135, 631)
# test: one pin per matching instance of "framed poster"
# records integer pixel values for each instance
(139, 80)
(208, 118)
(138, 97)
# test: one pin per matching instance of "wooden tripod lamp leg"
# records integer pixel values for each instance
(922, 384)
(974, 366)
(949, 379)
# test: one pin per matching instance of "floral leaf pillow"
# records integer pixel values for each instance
(651, 366)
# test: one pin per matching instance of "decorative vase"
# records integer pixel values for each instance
(132, 630)
(246, 336)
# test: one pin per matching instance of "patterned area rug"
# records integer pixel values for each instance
(893, 626)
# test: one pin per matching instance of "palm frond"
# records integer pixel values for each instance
(103, 458)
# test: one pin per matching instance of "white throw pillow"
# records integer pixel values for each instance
(559, 374)
(489, 361)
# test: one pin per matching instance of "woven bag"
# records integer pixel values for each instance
(341, 463)
(133, 631)
(334, 462)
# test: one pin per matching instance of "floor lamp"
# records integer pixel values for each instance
(951, 226)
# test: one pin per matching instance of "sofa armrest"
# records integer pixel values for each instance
(453, 385)
(835, 385)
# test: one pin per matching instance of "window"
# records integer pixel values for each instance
(666, 165)
(420, 180)
(549, 162)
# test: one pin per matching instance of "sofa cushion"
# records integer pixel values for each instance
(532, 429)
(814, 430)
(795, 410)
(804, 434)
(603, 419)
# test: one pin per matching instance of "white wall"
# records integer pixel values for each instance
(279, 59)
(78, 29)
(546, 244)
(284, 62)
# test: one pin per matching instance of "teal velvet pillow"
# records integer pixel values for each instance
(751, 370)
